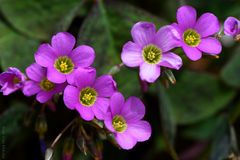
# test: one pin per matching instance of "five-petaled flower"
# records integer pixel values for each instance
(195, 36)
(61, 59)
(124, 120)
(89, 95)
(232, 26)
(39, 84)
(11, 80)
(150, 49)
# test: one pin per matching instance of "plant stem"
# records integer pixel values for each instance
(62, 132)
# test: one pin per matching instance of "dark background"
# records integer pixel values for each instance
(195, 119)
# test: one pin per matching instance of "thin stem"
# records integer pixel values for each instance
(62, 132)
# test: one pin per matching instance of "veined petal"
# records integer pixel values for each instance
(63, 43)
(131, 54)
(171, 60)
(82, 56)
(36, 72)
(210, 45)
(141, 130)
(165, 38)
(84, 77)
(186, 17)
(105, 86)
(192, 53)
(149, 72)
(71, 97)
(100, 107)
(30, 88)
(133, 110)
(108, 121)
(54, 76)
(126, 141)
(43, 96)
(116, 103)
(207, 25)
(143, 33)
(85, 112)
(45, 55)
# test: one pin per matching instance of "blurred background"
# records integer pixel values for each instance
(195, 119)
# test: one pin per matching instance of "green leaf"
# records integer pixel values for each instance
(128, 82)
(221, 144)
(203, 130)
(197, 96)
(39, 19)
(230, 72)
(15, 50)
(167, 115)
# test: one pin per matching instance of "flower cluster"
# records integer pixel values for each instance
(61, 68)
(150, 49)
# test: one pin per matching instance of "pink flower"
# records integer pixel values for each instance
(232, 26)
(88, 95)
(61, 59)
(124, 119)
(195, 36)
(11, 80)
(40, 85)
(150, 49)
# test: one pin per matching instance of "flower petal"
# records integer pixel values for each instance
(116, 103)
(43, 96)
(131, 54)
(207, 25)
(192, 53)
(100, 107)
(165, 38)
(210, 45)
(105, 86)
(186, 17)
(54, 76)
(108, 121)
(171, 60)
(231, 26)
(8, 89)
(63, 43)
(85, 112)
(133, 109)
(36, 72)
(30, 88)
(82, 56)
(84, 77)
(71, 97)
(141, 130)
(143, 33)
(149, 72)
(45, 55)
(126, 141)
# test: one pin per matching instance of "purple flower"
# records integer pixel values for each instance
(89, 96)
(193, 35)
(11, 80)
(150, 50)
(61, 59)
(39, 84)
(124, 120)
(232, 26)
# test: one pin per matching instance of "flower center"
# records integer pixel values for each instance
(47, 85)
(191, 38)
(64, 65)
(88, 96)
(16, 80)
(119, 123)
(152, 54)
